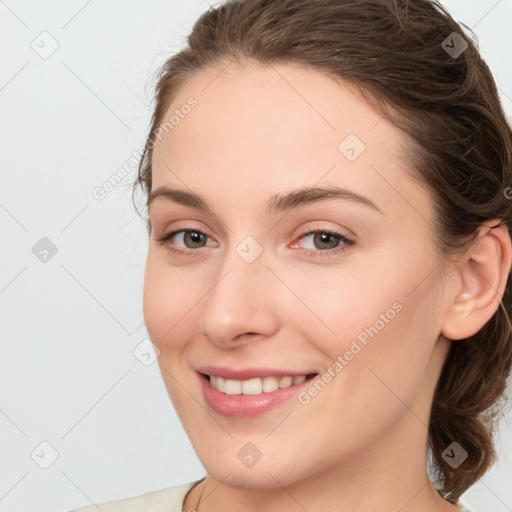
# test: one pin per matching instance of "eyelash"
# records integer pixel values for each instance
(316, 253)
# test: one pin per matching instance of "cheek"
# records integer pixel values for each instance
(386, 353)
(374, 321)
(337, 307)
(166, 305)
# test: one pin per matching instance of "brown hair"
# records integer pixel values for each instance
(461, 149)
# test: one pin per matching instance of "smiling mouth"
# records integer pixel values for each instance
(255, 386)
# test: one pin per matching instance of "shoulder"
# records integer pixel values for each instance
(169, 499)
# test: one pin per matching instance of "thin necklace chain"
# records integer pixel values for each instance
(196, 509)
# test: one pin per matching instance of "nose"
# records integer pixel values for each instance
(241, 304)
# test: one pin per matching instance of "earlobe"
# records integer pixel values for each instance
(482, 276)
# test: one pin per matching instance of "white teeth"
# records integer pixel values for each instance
(270, 384)
(285, 382)
(233, 387)
(299, 379)
(254, 386)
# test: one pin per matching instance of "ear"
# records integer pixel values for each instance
(482, 276)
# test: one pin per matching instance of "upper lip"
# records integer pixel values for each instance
(248, 373)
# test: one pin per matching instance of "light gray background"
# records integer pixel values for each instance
(68, 374)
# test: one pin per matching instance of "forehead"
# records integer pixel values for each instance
(263, 128)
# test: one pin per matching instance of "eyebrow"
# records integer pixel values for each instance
(277, 203)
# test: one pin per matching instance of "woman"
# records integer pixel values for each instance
(327, 279)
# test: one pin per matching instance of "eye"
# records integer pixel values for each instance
(193, 237)
(328, 241)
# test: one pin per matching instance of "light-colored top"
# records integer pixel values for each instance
(169, 499)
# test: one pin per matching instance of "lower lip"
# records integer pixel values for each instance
(247, 406)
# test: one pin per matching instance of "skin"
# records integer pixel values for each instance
(360, 444)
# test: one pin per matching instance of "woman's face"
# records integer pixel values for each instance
(347, 285)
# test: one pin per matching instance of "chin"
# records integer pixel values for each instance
(249, 479)
(262, 476)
